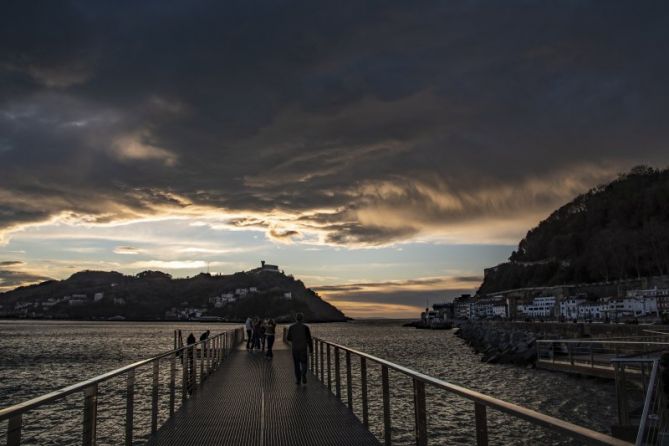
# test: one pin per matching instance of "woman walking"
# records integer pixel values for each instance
(270, 329)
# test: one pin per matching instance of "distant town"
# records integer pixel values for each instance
(622, 301)
(154, 295)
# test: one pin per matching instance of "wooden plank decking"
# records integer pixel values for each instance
(250, 400)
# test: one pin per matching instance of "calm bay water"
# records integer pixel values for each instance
(38, 357)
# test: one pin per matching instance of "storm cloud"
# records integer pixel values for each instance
(355, 123)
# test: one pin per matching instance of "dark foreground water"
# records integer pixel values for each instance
(38, 357)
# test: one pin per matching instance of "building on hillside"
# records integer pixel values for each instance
(97, 297)
(119, 301)
(542, 306)
(463, 306)
(569, 307)
(592, 310)
(445, 310)
(661, 297)
(500, 309)
(631, 307)
(288, 295)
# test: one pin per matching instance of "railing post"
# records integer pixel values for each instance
(337, 373)
(322, 368)
(481, 424)
(154, 396)
(173, 372)
(90, 415)
(571, 353)
(129, 406)
(385, 386)
(311, 358)
(363, 389)
(314, 358)
(592, 357)
(329, 369)
(14, 430)
(184, 375)
(349, 384)
(420, 413)
(201, 357)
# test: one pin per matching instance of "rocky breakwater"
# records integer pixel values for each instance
(499, 345)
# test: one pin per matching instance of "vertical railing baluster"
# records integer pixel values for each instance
(329, 369)
(385, 386)
(349, 384)
(571, 353)
(420, 413)
(90, 415)
(363, 390)
(337, 373)
(14, 430)
(201, 357)
(129, 406)
(481, 424)
(311, 358)
(154, 396)
(184, 375)
(173, 372)
(322, 368)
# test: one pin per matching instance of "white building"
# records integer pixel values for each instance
(288, 295)
(543, 306)
(241, 291)
(253, 289)
(569, 307)
(592, 310)
(119, 301)
(631, 307)
(97, 297)
(499, 309)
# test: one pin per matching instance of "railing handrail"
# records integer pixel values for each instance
(41, 400)
(598, 341)
(579, 432)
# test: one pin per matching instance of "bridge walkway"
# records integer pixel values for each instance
(251, 400)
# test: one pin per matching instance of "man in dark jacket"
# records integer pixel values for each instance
(299, 336)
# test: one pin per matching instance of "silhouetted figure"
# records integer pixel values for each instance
(257, 323)
(191, 339)
(299, 336)
(270, 330)
(249, 332)
(204, 336)
(262, 334)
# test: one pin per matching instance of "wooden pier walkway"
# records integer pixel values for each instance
(250, 400)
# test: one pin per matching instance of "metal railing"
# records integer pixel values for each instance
(197, 361)
(595, 354)
(642, 408)
(325, 361)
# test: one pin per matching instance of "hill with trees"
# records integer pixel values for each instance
(154, 295)
(615, 231)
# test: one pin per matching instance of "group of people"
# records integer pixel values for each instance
(260, 333)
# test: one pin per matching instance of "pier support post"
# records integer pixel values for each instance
(184, 376)
(329, 369)
(322, 369)
(129, 406)
(481, 424)
(363, 390)
(90, 415)
(173, 372)
(349, 384)
(14, 430)
(154, 396)
(420, 412)
(337, 373)
(385, 386)
(201, 356)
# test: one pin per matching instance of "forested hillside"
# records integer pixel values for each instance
(615, 231)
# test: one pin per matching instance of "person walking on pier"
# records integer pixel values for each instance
(299, 336)
(249, 332)
(270, 329)
(255, 344)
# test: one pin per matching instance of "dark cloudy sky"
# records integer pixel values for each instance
(383, 151)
